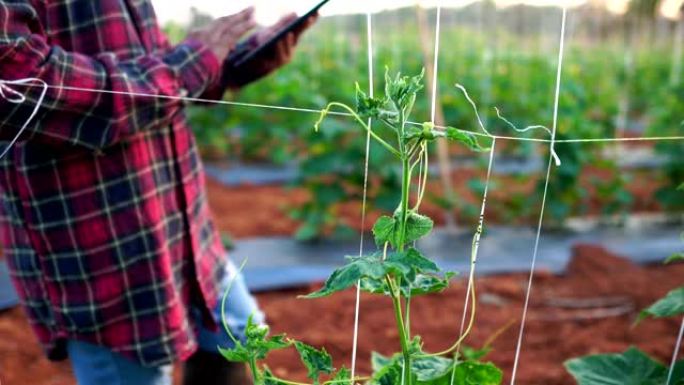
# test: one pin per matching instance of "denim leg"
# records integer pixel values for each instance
(240, 305)
(97, 365)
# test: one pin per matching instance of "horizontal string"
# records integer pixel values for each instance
(317, 111)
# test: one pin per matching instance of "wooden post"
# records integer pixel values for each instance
(444, 161)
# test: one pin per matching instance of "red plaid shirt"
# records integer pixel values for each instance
(103, 212)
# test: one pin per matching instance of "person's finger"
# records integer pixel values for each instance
(307, 24)
(285, 20)
(238, 23)
(280, 25)
(281, 52)
(239, 29)
(245, 14)
(288, 49)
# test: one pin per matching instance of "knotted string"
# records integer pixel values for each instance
(15, 97)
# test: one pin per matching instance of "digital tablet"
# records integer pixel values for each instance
(244, 53)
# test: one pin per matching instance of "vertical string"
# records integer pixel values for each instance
(678, 347)
(476, 245)
(533, 266)
(435, 67)
(369, 37)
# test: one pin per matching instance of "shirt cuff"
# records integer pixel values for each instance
(197, 66)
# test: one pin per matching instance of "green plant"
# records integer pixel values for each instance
(509, 74)
(633, 367)
(258, 344)
(398, 269)
(668, 122)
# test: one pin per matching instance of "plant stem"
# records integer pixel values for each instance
(405, 197)
(356, 116)
(255, 371)
(224, 321)
(404, 338)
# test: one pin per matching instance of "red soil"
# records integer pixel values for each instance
(235, 213)
(553, 334)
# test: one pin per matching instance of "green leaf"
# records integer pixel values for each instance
(413, 261)
(387, 371)
(347, 276)
(343, 377)
(435, 371)
(368, 107)
(431, 369)
(678, 374)
(675, 258)
(402, 90)
(423, 284)
(471, 354)
(257, 344)
(316, 361)
(385, 230)
(632, 367)
(372, 270)
(471, 372)
(466, 138)
(388, 229)
(274, 343)
(237, 354)
(378, 361)
(388, 375)
(307, 232)
(670, 306)
(417, 226)
(412, 132)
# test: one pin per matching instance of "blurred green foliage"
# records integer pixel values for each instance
(609, 85)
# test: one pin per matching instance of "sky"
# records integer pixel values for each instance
(268, 10)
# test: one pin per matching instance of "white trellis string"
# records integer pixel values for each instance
(678, 347)
(435, 66)
(334, 113)
(357, 306)
(559, 74)
(476, 245)
(555, 156)
(16, 97)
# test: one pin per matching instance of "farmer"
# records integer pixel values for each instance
(103, 210)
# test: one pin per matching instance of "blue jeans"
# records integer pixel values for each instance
(97, 365)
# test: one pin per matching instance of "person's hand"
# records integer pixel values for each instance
(271, 59)
(222, 35)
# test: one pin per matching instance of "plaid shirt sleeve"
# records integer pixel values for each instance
(189, 68)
